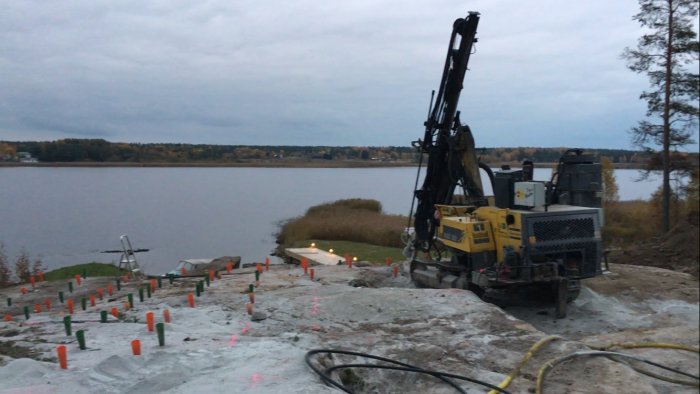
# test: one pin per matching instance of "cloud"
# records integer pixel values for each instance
(308, 72)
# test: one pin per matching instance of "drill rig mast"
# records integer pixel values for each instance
(449, 145)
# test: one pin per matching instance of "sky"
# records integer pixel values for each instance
(545, 73)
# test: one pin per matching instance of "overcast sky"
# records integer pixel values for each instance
(545, 73)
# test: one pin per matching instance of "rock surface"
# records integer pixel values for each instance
(447, 330)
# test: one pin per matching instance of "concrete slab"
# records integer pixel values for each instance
(315, 256)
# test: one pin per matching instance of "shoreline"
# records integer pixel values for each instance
(273, 164)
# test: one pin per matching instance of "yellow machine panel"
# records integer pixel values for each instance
(466, 233)
(507, 225)
(474, 230)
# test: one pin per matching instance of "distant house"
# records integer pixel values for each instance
(6, 157)
(26, 157)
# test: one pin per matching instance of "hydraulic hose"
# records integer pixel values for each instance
(658, 345)
(506, 382)
(549, 365)
(444, 376)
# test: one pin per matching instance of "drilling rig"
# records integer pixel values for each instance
(537, 234)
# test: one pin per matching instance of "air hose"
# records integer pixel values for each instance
(615, 356)
(501, 388)
(398, 366)
(506, 382)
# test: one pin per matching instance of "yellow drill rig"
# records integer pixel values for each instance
(529, 233)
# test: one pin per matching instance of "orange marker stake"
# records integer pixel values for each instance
(395, 270)
(92, 300)
(154, 285)
(259, 267)
(183, 271)
(388, 261)
(47, 302)
(69, 304)
(136, 347)
(229, 267)
(32, 281)
(8, 317)
(115, 312)
(311, 274)
(23, 290)
(77, 279)
(110, 290)
(150, 321)
(190, 300)
(211, 275)
(100, 293)
(62, 356)
(166, 315)
(37, 308)
(306, 270)
(249, 308)
(267, 263)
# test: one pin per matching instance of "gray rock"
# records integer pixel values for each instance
(258, 316)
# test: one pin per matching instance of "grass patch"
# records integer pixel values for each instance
(89, 269)
(363, 251)
(356, 220)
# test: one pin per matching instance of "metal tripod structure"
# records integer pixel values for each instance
(127, 261)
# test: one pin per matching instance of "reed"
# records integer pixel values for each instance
(356, 220)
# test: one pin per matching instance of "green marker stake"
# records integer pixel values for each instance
(60, 296)
(257, 275)
(170, 278)
(160, 283)
(201, 286)
(80, 334)
(197, 291)
(103, 316)
(83, 303)
(9, 301)
(148, 290)
(26, 312)
(130, 297)
(160, 328)
(66, 324)
(141, 294)
(70, 287)
(84, 273)
(251, 288)
(119, 284)
(206, 278)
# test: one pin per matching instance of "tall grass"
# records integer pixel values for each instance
(356, 220)
(629, 221)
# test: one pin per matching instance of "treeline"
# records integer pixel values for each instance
(99, 150)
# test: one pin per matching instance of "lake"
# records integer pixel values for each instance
(67, 215)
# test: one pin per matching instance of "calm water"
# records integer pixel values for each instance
(67, 215)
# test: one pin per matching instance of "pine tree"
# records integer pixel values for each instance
(4, 269)
(37, 266)
(22, 266)
(668, 55)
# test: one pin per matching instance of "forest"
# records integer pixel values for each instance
(102, 151)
